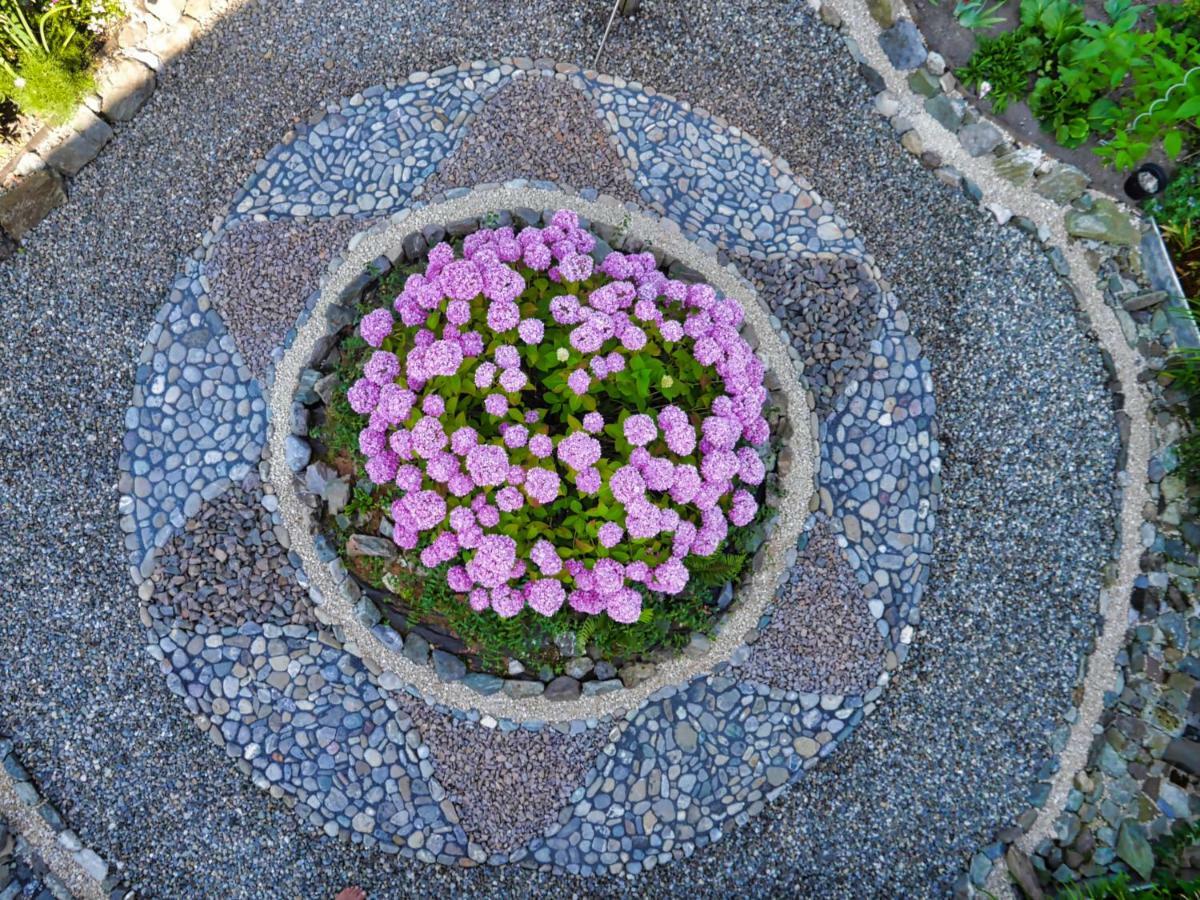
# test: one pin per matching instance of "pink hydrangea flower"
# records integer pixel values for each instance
(545, 596)
(496, 404)
(487, 464)
(363, 395)
(639, 429)
(376, 326)
(542, 485)
(531, 331)
(578, 381)
(593, 422)
(625, 606)
(610, 534)
(579, 451)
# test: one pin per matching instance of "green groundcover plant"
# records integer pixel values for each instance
(1134, 84)
(46, 50)
(557, 449)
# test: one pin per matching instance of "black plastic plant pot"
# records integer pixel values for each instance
(1146, 181)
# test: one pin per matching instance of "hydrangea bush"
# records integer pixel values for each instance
(554, 435)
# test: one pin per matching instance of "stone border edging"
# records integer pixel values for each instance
(78, 867)
(34, 181)
(325, 588)
(1008, 202)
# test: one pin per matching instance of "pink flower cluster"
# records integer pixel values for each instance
(684, 481)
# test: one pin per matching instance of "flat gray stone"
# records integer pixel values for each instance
(30, 201)
(124, 89)
(980, 138)
(903, 45)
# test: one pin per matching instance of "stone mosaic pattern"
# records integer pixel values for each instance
(310, 722)
(227, 567)
(714, 181)
(821, 635)
(261, 273)
(196, 425)
(498, 803)
(539, 128)
(828, 306)
(304, 716)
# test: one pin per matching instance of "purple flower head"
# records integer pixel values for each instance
(516, 436)
(586, 338)
(371, 441)
(395, 403)
(502, 284)
(401, 443)
(701, 296)
(639, 429)
(512, 380)
(687, 483)
(616, 266)
(743, 508)
(541, 445)
(503, 315)
(471, 343)
(531, 331)
(587, 481)
(487, 464)
(496, 404)
(493, 560)
(479, 598)
(463, 440)
(545, 557)
(624, 607)
(545, 596)
(670, 577)
(442, 358)
(627, 484)
(538, 257)
(442, 467)
(610, 534)
(659, 474)
(633, 338)
(458, 579)
(575, 267)
(408, 478)
(433, 405)
(670, 331)
(381, 468)
(375, 327)
(593, 422)
(578, 381)
(485, 373)
(460, 280)
(440, 255)
(757, 432)
(425, 509)
(428, 437)
(458, 312)
(589, 603)
(599, 367)
(509, 499)
(460, 485)
(721, 432)
(579, 451)
(682, 441)
(566, 219)
(507, 356)
(507, 602)
(616, 363)
(363, 395)
(542, 485)
(565, 309)
(751, 469)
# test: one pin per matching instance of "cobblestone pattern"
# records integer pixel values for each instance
(196, 425)
(304, 717)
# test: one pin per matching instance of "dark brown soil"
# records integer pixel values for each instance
(944, 35)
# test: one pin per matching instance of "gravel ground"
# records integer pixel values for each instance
(495, 802)
(830, 308)
(1027, 461)
(261, 274)
(227, 567)
(822, 639)
(560, 140)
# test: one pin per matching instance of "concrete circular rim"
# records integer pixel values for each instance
(797, 485)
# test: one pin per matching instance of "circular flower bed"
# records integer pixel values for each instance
(548, 442)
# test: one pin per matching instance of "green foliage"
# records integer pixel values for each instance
(46, 86)
(1167, 881)
(1133, 86)
(656, 375)
(977, 15)
(46, 51)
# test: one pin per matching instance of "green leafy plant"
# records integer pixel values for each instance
(1166, 883)
(45, 53)
(1135, 87)
(976, 15)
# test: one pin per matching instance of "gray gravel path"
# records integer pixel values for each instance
(1022, 533)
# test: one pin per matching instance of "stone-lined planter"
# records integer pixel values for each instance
(440, 675)
(424, 643)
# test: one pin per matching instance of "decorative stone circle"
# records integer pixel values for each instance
(307, 711)
(376, 252)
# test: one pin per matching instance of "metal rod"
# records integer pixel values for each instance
(607, 28)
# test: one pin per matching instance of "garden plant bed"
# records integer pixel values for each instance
(568, 648)
(416, 599)
(955, 43)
